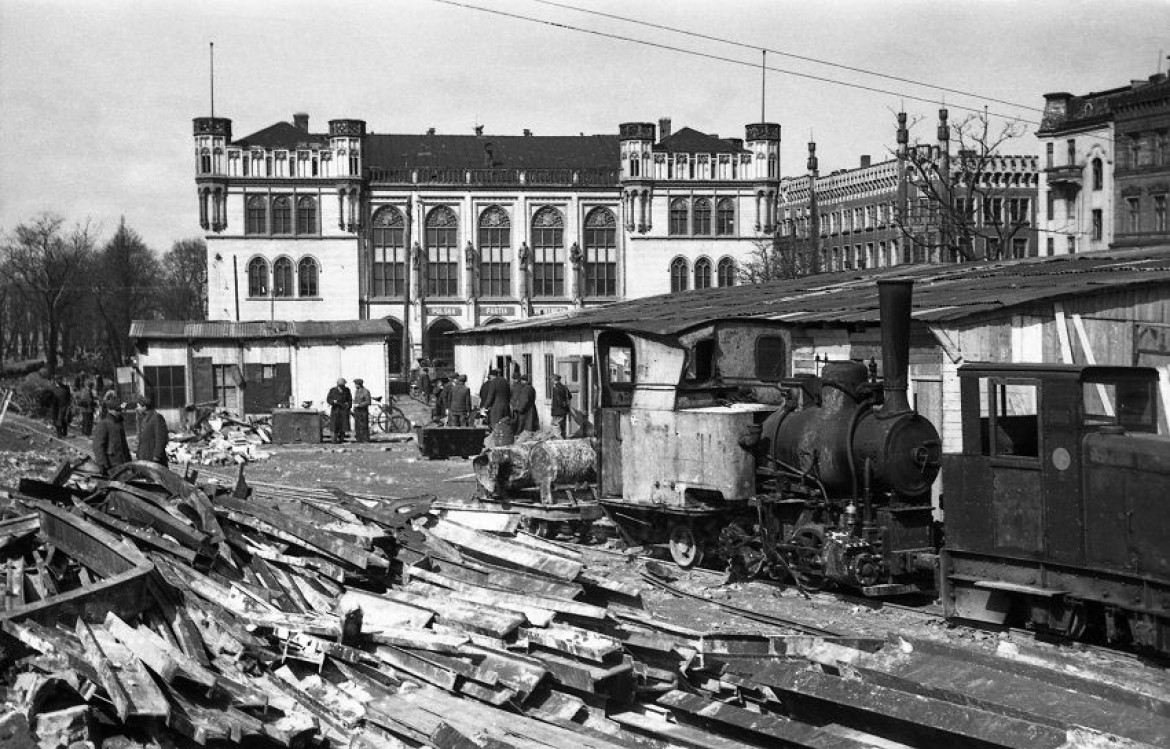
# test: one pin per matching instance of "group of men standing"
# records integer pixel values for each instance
(499, 399)
(341, 401)
(109, 444)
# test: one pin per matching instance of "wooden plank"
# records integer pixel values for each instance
(767, 727)
(510, 600)
(581, 643)
(127, 683)
(380, 613)
(156, 653)
(14, 584)
(420, 639)
(520, 673)
(509, 554)
(587, 677)
(536, 616)
(307, 534)
(674, 734)
(495, 521)
(130, 507)
(550, 547)
(498, 625)
(501, 578)
(417, 666)
(140, 535)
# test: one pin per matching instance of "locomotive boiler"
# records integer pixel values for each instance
(846, 469)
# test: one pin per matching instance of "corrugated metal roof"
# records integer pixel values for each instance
(942, 294)
(268, 329)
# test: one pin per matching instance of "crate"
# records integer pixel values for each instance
(296, 425)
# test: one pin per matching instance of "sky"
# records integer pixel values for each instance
(96, 98)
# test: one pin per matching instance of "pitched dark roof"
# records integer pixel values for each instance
(283, 135)
(942, 294)
(689, 140)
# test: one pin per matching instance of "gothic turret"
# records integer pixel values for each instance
(346, 140)
(212, 135)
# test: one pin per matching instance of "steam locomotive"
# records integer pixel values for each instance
(1054, 508)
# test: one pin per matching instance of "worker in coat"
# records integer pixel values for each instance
(361, 410)
(495, 397)
(86, 402)
(424, 385)
(59, 408)
(562, 405)
(340, 400)
(459, 405)
(152, 433)
(109, 440)
(524, 407)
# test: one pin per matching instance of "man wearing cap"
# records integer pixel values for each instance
(495, 397)
(459, 405)
(562, 403)
(361, 410)
(152, 434)
(109, 439)
(524, 407)
(339, 400)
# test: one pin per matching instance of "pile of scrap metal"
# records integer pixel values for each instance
(550, 482)
(219, 439)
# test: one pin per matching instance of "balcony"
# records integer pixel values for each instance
(593, 177)
(1068, 177)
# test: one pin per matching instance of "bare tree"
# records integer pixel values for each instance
(774, 257)
(127, 279)
(961, 201)
(48, 264)
(184, 269)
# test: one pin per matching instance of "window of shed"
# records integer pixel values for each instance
(771, 361)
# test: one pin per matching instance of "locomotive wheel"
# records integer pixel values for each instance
(541, 528)
(806, 564)
(684, 549)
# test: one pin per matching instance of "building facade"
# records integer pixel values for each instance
(1106, 167)
(436, 233)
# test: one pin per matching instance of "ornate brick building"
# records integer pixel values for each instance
(434, 233)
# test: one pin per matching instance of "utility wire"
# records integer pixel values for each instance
(745, 45)
(720, 58)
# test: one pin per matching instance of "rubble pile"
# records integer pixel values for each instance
(141, 606)
(219, 439)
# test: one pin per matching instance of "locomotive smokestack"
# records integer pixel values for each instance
(894, 298)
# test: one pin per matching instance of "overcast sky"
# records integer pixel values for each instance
(96, 98)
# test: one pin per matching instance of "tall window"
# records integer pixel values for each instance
(702, 218)
(1134, 207)
(282, 216)
(1098, 224)
(678, 274)
(1160, 213)
(702, 273)
(678, 217)
(307, 273)
(1048, 161)
(726, 272)
(725, 217)
(258, 277)
(224, 391)
(306, 216)
(548, 249)
(256, 221)
(1098, 174)
(205, 161)
(495, 252)
(168, 385)
(282, 277)
(600, 253)
(442, 229)
(1051, 246)
(1051, 207)
(388, 274)
(1072, 151)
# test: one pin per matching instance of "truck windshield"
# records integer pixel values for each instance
(1129, 402)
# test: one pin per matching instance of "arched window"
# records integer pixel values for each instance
(1098, 174)
(678, 274)
(307, 273)
(306, 216)
(495, 253)
(282, 216)
(388, 238)
(678, 217)
(205, 161)
(440, 346)
(600, 253)
(442, 230)
(702, 217)
(548, 253)
(725, 217)
(256, 221)
(702, 273)
(282, 277)
(635, 166)
(726, 272)
(257, 277)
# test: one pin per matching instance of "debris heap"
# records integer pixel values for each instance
(147, 606)
(219, 439)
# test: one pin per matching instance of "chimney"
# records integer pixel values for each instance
(479, 129)
(663, 128)
(301, 121)
(527, 132)
(430, 131)
(894, 299)
(865, 161)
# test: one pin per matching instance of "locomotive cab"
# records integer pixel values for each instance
(1055, 507)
